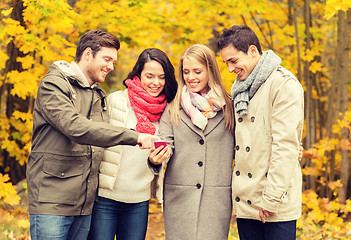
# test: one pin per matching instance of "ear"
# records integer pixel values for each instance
(87, 54)
(253, 51)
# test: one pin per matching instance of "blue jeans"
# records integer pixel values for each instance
(56, 227)
(128, 221)
(256, 230)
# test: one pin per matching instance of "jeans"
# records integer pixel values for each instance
(128, 221)
(256, 230)
(56, 227)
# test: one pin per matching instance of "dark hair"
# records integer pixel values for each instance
(154, 54)
(240, 37)
(96, 39)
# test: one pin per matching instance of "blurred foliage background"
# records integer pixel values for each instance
(311, 36)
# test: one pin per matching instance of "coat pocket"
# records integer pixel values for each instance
(63, 181)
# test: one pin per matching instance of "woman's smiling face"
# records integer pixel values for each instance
(153, 78)
(195, 75)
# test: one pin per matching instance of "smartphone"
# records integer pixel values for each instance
(160, 143)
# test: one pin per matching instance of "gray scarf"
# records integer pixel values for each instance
(243, 91)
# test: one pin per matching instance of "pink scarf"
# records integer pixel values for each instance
(201, 107)
(147, 108)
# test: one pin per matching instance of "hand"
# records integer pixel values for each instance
(264, 213)
(159, 155)
(300, 152)
(145, 141)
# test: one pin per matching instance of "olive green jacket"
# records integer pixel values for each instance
(70, 132)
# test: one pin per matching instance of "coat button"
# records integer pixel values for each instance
(252, 119)
(249, 202)
(240, 119)
(247, 149)
(237, 199)
(202, 142)
(237, 173)
(200, 164)
(63, 174)
(250, 175)
(198, 186)
(237, 147)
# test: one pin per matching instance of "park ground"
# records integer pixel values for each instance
(14, 223)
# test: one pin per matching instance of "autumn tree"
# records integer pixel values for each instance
(312, 38)
(13, 103)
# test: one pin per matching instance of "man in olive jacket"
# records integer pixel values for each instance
(268, 107)
(70, 132)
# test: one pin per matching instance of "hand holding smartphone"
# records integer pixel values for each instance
(159, 143)
(159, 154)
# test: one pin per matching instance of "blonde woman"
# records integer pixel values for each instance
(198, 126)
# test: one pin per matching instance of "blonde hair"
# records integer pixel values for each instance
(206, 57)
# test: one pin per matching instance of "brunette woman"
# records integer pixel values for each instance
(126, 173)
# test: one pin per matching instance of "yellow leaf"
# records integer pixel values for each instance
(23, 223)
(310, 171)
(316, 67)
(7, 12)
(334, 185)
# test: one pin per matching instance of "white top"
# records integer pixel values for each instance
(124, 172)
(134, 177)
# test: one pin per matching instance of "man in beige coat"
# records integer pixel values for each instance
(268, 106)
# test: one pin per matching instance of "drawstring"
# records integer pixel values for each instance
(91, 104)
(103, 100)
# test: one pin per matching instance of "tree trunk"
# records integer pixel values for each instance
(344, 24)
(14, 169)
(309, 109)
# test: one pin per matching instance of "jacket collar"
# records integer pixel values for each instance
(212, 123)
(73, 73)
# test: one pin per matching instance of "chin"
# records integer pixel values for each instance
(154, 94)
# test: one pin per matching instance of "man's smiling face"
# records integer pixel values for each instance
(239, 62)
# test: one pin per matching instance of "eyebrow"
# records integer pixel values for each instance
(155, 74)
(110, 58)
(230, 59)
(193, 68)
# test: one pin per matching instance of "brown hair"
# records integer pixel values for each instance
(240, 37)
(96, 39)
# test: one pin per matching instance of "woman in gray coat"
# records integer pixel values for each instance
(198, 127)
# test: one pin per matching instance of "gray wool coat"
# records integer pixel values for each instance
(197, 185)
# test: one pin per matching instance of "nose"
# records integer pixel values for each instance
(110, 66)
(156, 81)
(231, 68)
(191, 75)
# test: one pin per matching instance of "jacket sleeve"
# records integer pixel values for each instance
(286, 127)
(57, 109)
(166, 131)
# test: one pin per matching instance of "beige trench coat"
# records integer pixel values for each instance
(197, 186)
(267, 172)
